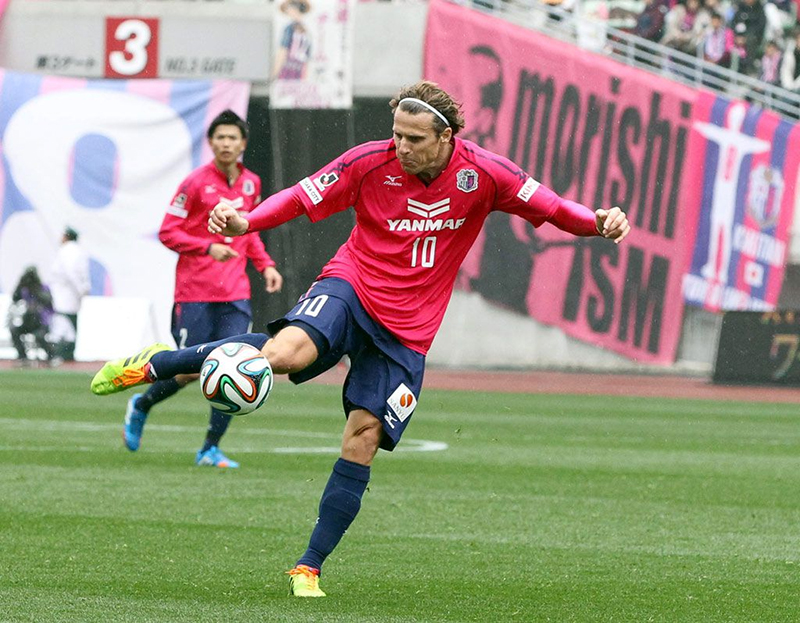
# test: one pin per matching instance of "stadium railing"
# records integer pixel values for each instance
(598, 36)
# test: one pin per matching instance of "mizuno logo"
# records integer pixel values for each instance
(391, 180)
(429, 211)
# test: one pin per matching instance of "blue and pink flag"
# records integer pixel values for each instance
(741, 199)
(103, 157)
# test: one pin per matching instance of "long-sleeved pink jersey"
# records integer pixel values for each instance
(199, 278)
(403, 254)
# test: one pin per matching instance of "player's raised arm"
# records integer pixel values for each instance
(577, 219)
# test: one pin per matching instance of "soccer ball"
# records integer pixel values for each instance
(236, 378)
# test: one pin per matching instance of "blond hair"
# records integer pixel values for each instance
(434, 96)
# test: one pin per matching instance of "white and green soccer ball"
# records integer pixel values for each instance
(236, 378)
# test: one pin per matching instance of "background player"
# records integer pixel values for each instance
(212, 289)
(420, 200)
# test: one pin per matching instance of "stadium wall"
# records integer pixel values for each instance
(475, 333)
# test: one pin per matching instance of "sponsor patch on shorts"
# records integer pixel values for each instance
(402, 402)
(528, 188)
(307, 185)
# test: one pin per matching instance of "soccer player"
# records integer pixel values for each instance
(212, 289)
(420, 200)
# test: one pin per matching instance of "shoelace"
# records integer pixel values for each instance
(312, 575)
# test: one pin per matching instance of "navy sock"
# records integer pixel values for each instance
(158, 391)
(217, 425)
(338, 507)
(189, 360)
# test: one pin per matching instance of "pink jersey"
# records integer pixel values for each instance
(199, 278)
(409, 240)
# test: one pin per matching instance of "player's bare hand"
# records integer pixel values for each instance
(221, 252)
(225, 220)
(612, 224)
(273, 278)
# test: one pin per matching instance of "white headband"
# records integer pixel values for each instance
(426, 105)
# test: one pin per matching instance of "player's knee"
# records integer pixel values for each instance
(291, 350)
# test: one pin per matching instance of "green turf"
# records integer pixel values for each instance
(542, 508)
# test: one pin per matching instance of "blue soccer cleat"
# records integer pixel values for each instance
(134, 424)
(213, 457)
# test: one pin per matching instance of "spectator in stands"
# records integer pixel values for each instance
(723, 7)
(30, 314)
(718, 42)
(750, 14)
(781, 15)
(790, 64)
(684, 26)
(741, 59)
(650, 22)
(770, 68)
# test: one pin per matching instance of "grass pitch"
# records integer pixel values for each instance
(541, 508)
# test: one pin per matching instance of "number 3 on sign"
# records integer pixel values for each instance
(131, 47)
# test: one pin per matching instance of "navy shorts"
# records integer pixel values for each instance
(195, 323)
(385, 377)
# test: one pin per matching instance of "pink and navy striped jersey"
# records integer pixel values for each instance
(409, 240)
(199, 278)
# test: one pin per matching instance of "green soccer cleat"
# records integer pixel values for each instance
(304, 582)
(124, 373)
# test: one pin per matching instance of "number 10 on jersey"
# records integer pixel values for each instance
(423, 252)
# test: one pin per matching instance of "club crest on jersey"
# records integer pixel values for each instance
(467, 180)
(325, 180)
(249, 188)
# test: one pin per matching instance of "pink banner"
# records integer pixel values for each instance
(596, 132)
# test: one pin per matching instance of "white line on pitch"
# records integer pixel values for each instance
(408, 445)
